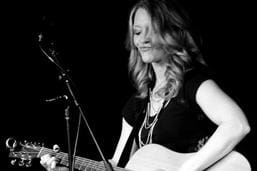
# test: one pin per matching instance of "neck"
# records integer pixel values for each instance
(159, 70)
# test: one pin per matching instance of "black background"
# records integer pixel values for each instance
(89, 39)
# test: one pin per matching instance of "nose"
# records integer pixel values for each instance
(145, 39)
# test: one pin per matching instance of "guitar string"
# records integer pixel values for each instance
(87, 163)
(81, 161)
(64, 160)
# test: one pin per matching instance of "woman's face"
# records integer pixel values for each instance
(145, 38)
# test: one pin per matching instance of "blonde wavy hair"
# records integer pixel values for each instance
(173, 25)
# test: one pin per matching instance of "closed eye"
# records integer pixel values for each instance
(137, 33)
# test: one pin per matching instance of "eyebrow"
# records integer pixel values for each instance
(136, 27)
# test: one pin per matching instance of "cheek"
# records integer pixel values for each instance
(135, 40)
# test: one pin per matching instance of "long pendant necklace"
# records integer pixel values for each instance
(149, 126)
(147, 122)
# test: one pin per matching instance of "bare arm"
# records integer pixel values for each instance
(231, 121)
(125, 132)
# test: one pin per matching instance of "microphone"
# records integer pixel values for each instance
(57, 98)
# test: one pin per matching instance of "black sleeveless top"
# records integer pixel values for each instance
(182, 126)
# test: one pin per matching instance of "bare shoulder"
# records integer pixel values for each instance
(209, 89)
(216, 103)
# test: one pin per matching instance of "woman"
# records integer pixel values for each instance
(178, 100)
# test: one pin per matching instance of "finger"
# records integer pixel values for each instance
(49, 169)
(44, 159)
(53, 164)
(51, 161)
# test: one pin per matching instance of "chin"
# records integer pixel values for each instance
(147, 59)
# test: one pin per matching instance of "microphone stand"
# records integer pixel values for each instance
(67, 80)
(70, 158)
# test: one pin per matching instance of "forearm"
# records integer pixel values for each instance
(126, 130)
(225, 138)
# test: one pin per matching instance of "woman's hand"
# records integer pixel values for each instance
(49, 163)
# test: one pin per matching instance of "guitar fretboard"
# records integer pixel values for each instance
(80, 163)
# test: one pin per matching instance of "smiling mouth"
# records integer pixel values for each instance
(145, 49)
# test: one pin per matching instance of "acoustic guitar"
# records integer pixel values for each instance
(152, 157)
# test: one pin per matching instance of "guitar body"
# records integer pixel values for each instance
(155, 157)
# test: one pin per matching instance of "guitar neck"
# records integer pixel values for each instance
(80, 163)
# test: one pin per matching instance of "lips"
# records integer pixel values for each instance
(145, 49)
